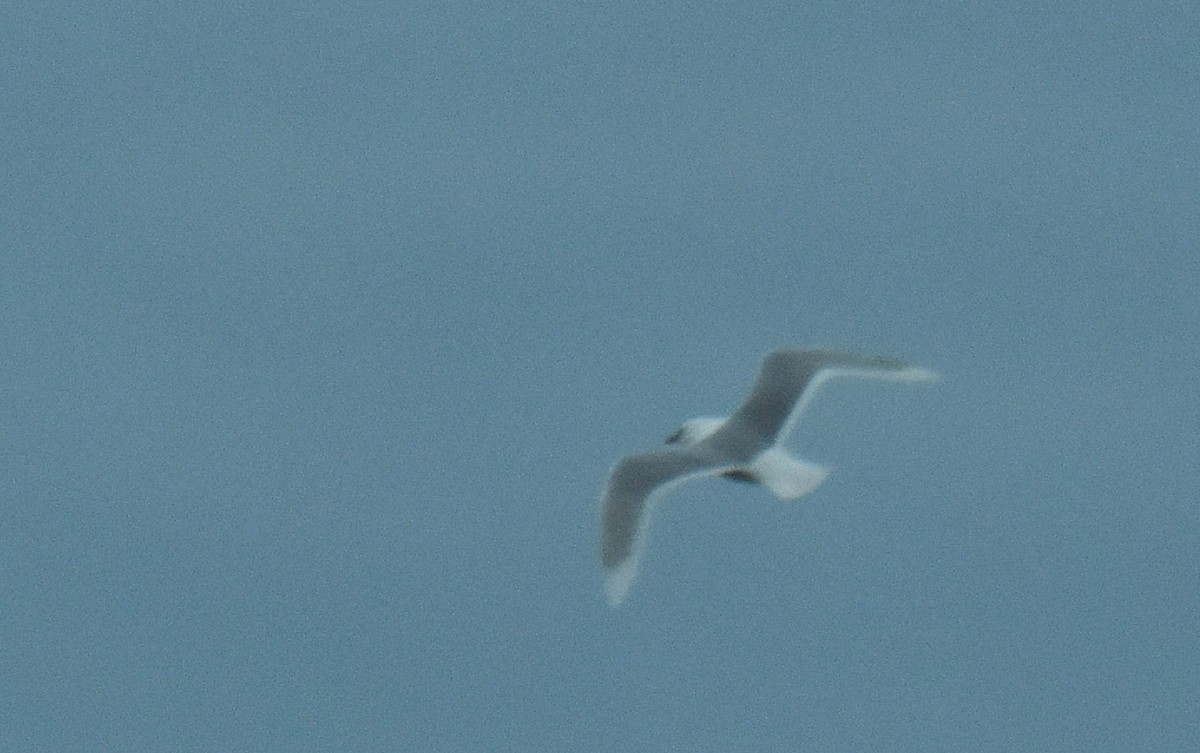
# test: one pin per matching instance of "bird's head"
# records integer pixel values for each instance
(695, 430)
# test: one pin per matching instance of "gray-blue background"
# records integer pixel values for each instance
(324, 322)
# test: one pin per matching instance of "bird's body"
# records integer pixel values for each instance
(742, 447)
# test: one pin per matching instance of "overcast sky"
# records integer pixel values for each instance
(324, 322)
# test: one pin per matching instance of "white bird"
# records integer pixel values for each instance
(743, 447)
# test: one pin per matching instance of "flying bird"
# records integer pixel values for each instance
(743, 447)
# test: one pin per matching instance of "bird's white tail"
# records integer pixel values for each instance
(787, 476)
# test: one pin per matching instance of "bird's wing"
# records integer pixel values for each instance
(786, 383)
(625, 509)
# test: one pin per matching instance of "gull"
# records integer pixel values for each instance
(743, 447)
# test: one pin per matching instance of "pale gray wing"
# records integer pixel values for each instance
(785, 384)
(624, 509)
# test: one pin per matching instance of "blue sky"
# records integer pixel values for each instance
(326, 321)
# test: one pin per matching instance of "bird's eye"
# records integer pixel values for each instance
(676, 437)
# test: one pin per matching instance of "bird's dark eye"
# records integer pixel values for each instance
(676, 437)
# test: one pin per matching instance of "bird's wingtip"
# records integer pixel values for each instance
(922, 374)
(617, 581)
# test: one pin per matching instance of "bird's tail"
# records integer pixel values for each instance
(787, 476)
